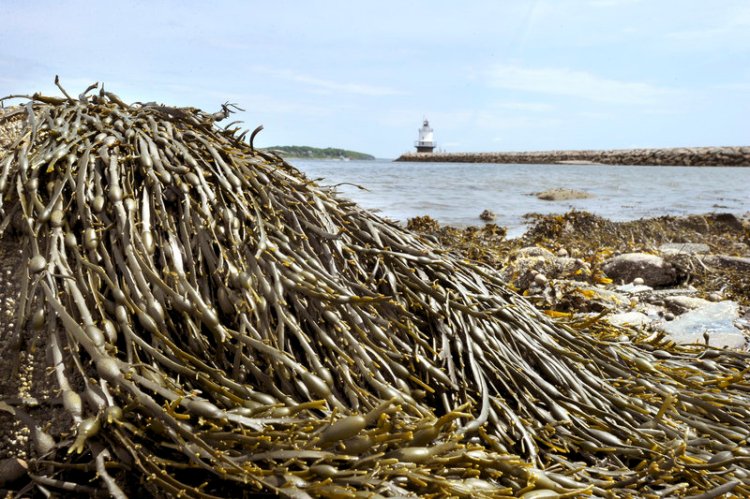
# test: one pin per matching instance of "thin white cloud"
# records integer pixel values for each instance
(612, 3)
(328, 85)
(271, 106)
(734, 26)
(496, 122)
(735, 87)
(524, 106)
(574, 83)
(699, 35)
(484, 119)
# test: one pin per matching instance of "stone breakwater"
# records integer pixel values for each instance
(684, 156)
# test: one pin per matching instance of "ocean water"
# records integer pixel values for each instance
(456, 193)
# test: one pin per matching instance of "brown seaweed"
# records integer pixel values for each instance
(219, 325)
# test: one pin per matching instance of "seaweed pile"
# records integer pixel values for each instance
(720, 231)
(219, 325)
(594, 237)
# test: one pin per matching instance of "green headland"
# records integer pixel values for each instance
(308, 152)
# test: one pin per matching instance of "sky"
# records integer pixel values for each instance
(490, 75)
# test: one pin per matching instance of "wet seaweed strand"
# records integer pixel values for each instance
(217, 323)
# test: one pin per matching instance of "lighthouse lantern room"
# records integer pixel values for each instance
(426, 143)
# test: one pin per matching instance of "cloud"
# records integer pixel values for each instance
(735, 87)
(484, 119)
(700, 35)
(732, 26)
(524, 106)
(328, 85)
(612, 3)
(574, 83)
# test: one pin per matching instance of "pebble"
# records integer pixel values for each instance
(715, 297)
(562, 252)
(638, 281)
(11, 469)
(487, 216)
(540, 279)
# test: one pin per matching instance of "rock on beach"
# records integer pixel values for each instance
(487, 216)
(712, 323)
(531, 262)
(562, 194)
(653, 269)
(667, 278)
(684, 249)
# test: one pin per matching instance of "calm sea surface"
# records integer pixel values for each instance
(456, 193)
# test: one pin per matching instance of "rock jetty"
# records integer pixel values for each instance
(685, 156)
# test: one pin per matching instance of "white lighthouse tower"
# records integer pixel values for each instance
(426, 143)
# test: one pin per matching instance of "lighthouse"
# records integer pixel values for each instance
(426, 143)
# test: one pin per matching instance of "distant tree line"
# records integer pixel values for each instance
(317, 153)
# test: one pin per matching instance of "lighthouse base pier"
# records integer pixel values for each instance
(684, 156)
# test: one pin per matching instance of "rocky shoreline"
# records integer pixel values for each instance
(684, 156)
(686, 279)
